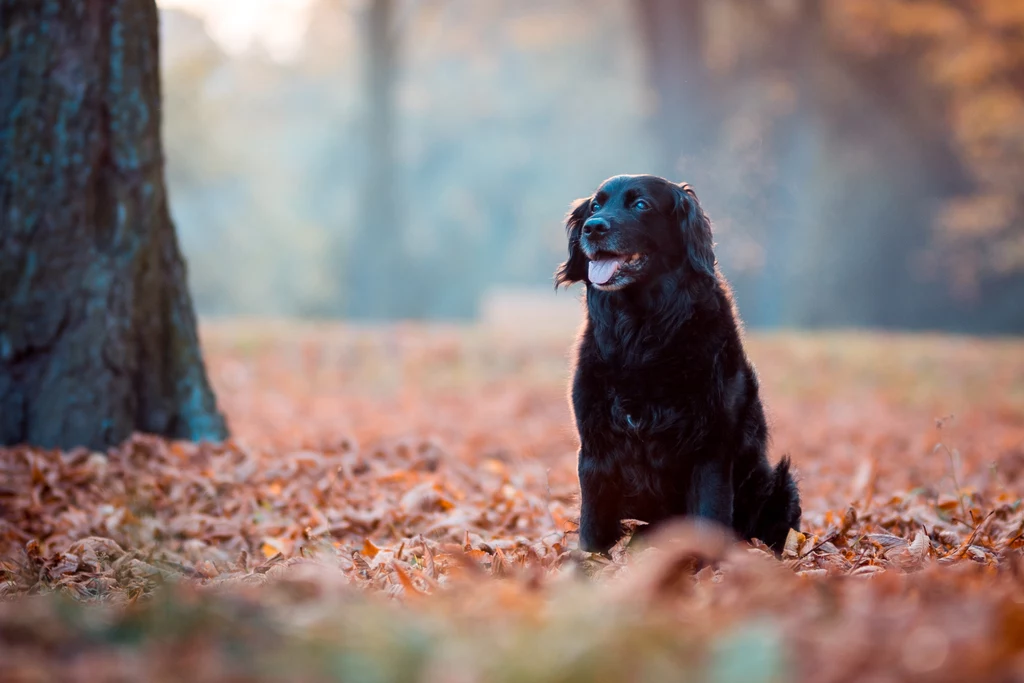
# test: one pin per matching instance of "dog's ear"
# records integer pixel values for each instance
(575, 267)
(696, 227)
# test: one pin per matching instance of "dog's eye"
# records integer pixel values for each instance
(595, 206)
(641, 205)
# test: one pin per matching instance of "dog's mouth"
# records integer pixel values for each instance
(607, 269)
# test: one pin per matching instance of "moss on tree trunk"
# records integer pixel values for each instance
(97, 332)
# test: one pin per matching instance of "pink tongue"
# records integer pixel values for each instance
(602, 271)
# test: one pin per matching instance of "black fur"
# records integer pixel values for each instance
(665, 401)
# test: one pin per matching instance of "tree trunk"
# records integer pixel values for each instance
(685, 117)
(97, 332)
(376, 259)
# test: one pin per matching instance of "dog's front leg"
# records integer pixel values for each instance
(600, 507)
(712, 493)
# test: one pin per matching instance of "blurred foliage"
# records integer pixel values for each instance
(831, 149)
(502, 122)
(972, 53)
(862, 160)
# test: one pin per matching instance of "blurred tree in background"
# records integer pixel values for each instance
(971, 56)
(377, 256)
(97, 333)
(862, 160)
(876, 146)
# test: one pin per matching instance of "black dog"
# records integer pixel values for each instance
(665, 401)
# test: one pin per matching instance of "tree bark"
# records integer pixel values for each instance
(97, 332)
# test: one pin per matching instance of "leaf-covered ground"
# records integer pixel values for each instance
(399, 504)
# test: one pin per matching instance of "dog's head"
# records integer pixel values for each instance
(635, 229)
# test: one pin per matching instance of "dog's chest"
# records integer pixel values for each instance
(628, 416)
(643, 412)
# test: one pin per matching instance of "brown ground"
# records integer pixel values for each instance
(379, 479)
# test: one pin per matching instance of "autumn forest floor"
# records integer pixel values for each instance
(399, 504)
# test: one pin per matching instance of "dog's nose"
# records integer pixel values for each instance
(595, 226)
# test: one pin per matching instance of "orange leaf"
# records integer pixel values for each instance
(369, 549)
(406, 582)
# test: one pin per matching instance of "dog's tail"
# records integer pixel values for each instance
(773, 505)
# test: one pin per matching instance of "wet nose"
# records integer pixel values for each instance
(595, 227)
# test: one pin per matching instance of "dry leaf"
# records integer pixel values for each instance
(467, 470)
(369, 549)
(794, 541)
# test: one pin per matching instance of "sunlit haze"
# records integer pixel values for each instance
(239, 24)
